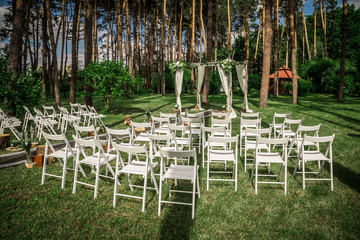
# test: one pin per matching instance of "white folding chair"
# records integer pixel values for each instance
(74, 109)
(289, 128)
(28, 117)
(94, 160)
(219, 115)
(62, 154)
(142, 136)
(134, 167)
(85, 114)
(316, 156)
(47, 123)
(297, 140)
(180, 138)
(250, 142)
(248, 123)
(195, 124)
(8, 122)
(50, 112)
(222, 123)
(211, 131)
(270, 157)
(160, 125)
(117, 136)
(179, 172)
(95, 117)
(226, 155)
(275, 125)
(173, 118)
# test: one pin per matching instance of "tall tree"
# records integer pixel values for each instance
(229, 28)
(129, 56)
(323, 23)
(95, 37)
(88, 47)
(54, 55)
(45, 52)
(217, 6)
(277, 49)
(63, 41)
(15, 48)
(202, 25)
(74, 51)
(163, 36)
(315, 28)
(208, 51)
(305, 30)
(293, 52)
(343, 52)
(192, 45)
(266, 54)
(180, 30)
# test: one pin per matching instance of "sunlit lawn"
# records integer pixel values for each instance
(31, 210)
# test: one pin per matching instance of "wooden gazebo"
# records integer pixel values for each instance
(285, 76)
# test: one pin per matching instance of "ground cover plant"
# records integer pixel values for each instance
(31, 210)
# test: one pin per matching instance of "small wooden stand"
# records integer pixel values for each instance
(127, 119)
(39, 159)
(177, 111)
(4, 141)
(41, 151)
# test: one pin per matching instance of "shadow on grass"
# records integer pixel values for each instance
(177, 222)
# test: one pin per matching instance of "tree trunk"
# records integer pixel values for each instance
(229, 28)
(15, 48)
(343, 52)
(45, 52)
(54, 55)
(266, 55)
(95, 37)
(208, 52)
(323, 22)
(216, 28)
(108, 33)
(27, 24)
(180, 30)
(287, 44)
(277, 50)
(62, 46)
(192, 45)
(293, 52)
(315, 28)
(135, 26)
(305, 31)
(258, 37)
(163, 34)
(74, 52)
(129, 56)
(88, 48)
(202, 25)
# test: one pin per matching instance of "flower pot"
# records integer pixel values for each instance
(90, 134)
(39, 159)
(29, 165)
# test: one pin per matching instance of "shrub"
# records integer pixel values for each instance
(304, 87)
(16, 91)
(215, 83)
(350, 86)
(111, 78)
(254, 81)
(253, 93)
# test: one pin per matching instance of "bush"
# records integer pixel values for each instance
(111, 78)
(215, 83)
(254, 81)
(304, 87)
(253, 93)
(350, 85)
(16, 91)
(170, 80)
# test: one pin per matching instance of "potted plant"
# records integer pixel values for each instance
(26, 145)
(176, 109)
(148, 115)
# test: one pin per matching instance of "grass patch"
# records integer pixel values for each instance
(30, 210)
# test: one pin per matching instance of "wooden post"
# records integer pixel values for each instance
(4, 141)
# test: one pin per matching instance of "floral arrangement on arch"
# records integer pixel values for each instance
(227, 65)
(175, 65)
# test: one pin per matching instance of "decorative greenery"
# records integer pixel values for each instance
(17, 90)
(111, 78)
(147, 114)
(176, 65)
(227, 65)
(26, 144)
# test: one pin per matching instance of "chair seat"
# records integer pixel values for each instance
(137, 167)
(157, 154)
(269, 158)
(222, 155)
(306, 143)
(195, 131)
(61, 153)
(92, 160)
(314, 156)
(276, 125)
(182, 172)
(252, 145)
(249, 125)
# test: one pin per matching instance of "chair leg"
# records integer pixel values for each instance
(198, 184)
(154, 180)
(245, 160)
(285, 191)
(303, 172)
(207, 175)
(236, 174)
(256, 177)
(193, 196)
(331, 175)
(160, 193)
(97, 180)
(64, 174)
(75, 177)
(43, 173)
(144, 193)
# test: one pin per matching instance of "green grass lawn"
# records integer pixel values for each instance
(31, 210)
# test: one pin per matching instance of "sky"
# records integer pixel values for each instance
(308, 9)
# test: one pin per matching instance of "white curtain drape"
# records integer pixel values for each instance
(243, 80)
(178, 82)
(226, 81)
(201, 73)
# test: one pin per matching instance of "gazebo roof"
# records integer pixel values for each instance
(284, 72)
